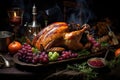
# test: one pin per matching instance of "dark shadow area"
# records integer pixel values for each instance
(100, 9)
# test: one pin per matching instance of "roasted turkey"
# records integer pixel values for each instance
(58, 35)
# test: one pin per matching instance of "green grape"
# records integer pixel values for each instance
(50, 54)
(35, 50)
(53, 56)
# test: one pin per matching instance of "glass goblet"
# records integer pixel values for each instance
(15, 19)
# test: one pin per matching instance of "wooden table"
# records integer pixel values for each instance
(22, 73)
(54, 72)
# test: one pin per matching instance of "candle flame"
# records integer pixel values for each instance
(15, 14)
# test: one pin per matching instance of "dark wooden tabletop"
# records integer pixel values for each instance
(54, 72)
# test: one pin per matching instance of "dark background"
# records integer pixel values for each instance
(100, 8)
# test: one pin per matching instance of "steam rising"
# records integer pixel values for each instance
(81, 13)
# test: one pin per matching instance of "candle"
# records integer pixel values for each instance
(16, 20)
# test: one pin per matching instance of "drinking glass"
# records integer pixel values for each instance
(15, 19)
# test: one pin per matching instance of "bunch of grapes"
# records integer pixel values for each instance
(67, 55)
(94, 42)
(26, 54)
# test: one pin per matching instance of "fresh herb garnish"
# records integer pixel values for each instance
(83, 52)
(85, 69)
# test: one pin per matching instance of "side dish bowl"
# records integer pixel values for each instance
(96, 62)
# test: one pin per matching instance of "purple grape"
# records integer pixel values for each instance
(36, 59)
(43, 53)
(29, 54)
(73, 55)
(40, 58)
(63, 55)
(23, 48)
(97, 44)
(45, 60)
(46, 56)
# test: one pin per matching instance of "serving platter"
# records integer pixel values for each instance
(66, 61)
